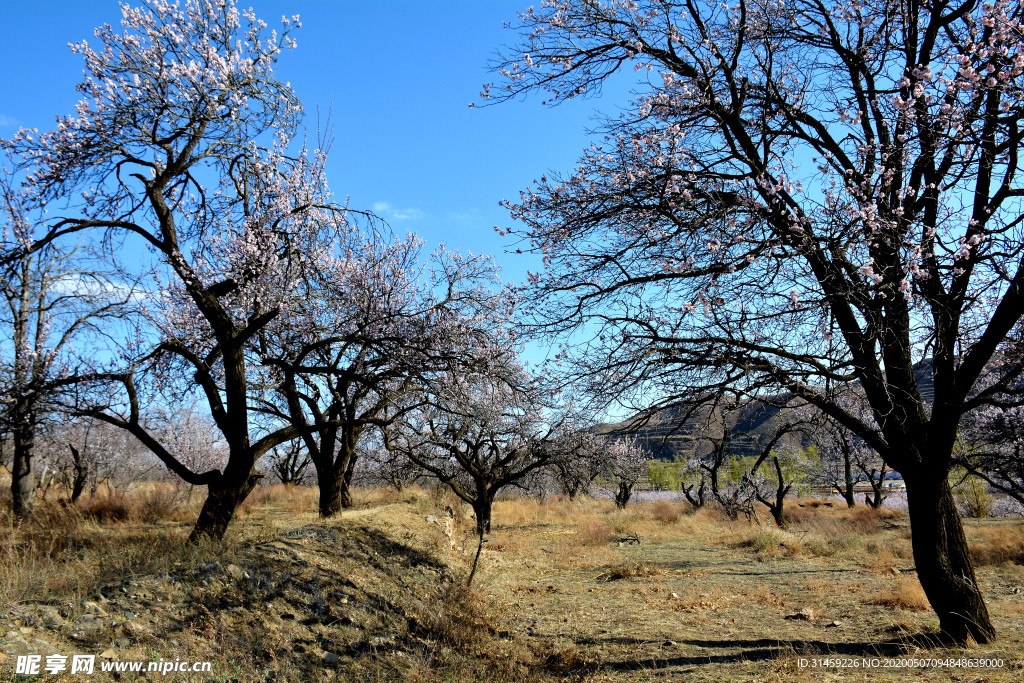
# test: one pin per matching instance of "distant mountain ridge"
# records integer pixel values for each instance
(751, 425)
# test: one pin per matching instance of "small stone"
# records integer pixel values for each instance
(52, 617)
(806, 614)
(26, 629)
(108, 654)
(95, 609)
(675, 596)
(894, 570)
(834, 624)
(431, 520)
(330, 657)
(1016, 591)
(99, 598)
(234, 571)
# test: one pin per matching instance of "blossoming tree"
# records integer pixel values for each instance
(801, 193)
(180, 148)
(379, 321)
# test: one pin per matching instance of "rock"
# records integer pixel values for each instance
(134, 629)
(95, 610)
(330, 657)
(894, 570)
(51, 617)
(234, 571)
(834, 624)
(806, 614)
(108, 654)
(675, 596)
(431, 520)
(99, 598)
(26, 629)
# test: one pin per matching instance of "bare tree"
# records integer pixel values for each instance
(584, 456)
(478, 434)
(288, 462)
(55, 299)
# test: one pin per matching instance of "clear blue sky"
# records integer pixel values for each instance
(398, 78)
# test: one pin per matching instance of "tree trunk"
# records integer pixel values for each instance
(81, 475)
(331, 495)
(943, 560)
(335, 480)
(23, 482)
(848, 473)
(623, 495)
(346, 483)
(221, 503)
(482, 510)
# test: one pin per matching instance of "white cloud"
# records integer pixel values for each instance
(387, 211)
(7, 121)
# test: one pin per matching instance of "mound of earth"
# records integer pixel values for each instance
(347, 595)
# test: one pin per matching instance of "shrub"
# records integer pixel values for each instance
(666, 512)
(905, 592)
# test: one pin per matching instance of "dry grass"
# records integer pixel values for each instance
(282, 497)
(667, 512)
(905, 593)
(770, 542)
(630, 570)
(556, 597)
(997, 545)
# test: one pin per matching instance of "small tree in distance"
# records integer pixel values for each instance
(478, 435)
(627, 466)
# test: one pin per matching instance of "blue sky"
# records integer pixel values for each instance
(397, 78)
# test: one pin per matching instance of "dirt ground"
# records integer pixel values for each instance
(563, 592)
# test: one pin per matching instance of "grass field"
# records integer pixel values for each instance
(563, 592)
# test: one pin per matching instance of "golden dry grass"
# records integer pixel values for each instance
(905, 592)
(559, 594)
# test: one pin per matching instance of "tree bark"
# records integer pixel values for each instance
(81, 475)
(222, 500)
(482, 510)
(335, 477)
(848, 474)
(330, 495)
(943, 560)
(623, 495)
(23, 482)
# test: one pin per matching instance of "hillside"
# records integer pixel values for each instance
(753, 424)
